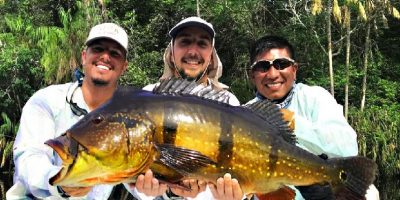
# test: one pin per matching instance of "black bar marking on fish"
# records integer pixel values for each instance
(73, 148)
(170, 126)
(225, 142)
(273, 159)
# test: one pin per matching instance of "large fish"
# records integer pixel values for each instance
(181, 130)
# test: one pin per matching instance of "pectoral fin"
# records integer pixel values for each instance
(183, 161)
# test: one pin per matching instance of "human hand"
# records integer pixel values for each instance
(149, 185)
(76, 191)
(226, 189)
(196, 186)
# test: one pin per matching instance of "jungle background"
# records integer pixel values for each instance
(349, 47)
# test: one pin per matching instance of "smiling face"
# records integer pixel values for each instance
(104, 62)
(274, 84)
(192, 50)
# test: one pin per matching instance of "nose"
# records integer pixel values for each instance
(105, 56)
(192, 49)
(272, 73)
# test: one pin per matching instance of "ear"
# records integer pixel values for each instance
(83, 57)
(125, 67)
(295, 68)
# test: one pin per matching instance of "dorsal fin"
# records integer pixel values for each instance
(182, 87)
(272, 114)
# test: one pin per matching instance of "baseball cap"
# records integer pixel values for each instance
(109, 31)
(192, 21)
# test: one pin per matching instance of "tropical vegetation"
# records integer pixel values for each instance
(349, 47)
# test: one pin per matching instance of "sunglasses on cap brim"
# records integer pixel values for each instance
(279, 64)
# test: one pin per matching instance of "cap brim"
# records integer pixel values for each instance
(177, 29)
(88, 42)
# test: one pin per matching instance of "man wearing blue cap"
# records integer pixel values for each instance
(52, 110)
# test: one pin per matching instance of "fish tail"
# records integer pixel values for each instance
(353, 176)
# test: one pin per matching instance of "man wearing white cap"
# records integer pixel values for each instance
(52, 110)
(191, 55)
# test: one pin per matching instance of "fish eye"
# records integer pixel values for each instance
(98, 119)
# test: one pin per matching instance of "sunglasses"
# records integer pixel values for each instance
(279, 64)
(78, 111)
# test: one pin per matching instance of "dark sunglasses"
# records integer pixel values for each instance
(279, 64)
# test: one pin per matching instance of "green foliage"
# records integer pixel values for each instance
(8, 130)
(143, 70)
(378, 130)
(20, 75)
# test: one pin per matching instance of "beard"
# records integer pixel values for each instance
(99, 82)
(190, 78)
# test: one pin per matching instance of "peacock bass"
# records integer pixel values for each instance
(180, 131)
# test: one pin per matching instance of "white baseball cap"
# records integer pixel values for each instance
(109, 31)
(192, 21)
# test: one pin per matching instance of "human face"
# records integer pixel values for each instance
(274, 84)
(192, 51)
(104, 62)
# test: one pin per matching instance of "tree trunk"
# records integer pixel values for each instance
(330, 47)
(365, 63)
(346, 87)
(198, 7)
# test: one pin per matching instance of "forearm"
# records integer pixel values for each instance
(33, 169)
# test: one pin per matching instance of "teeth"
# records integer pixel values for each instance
(103, 67)
(273, 84)
(192, 62)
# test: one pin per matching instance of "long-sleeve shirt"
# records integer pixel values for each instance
(45, 116)
(320, 124)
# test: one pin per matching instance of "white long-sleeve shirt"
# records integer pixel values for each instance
(320, 124)
(45, 116)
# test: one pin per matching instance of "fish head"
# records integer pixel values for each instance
(110, 147)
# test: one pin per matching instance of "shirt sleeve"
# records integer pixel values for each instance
(320, 125)
(233, 100)
(33, 159)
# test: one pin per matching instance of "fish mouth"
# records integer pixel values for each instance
(61, 145)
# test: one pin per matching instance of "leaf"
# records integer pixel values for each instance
(395, 13)
(316, 7)
(361, 11)
(336, 11)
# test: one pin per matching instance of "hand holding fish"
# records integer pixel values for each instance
(226, 188)
(149, 185)
(195, 188)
